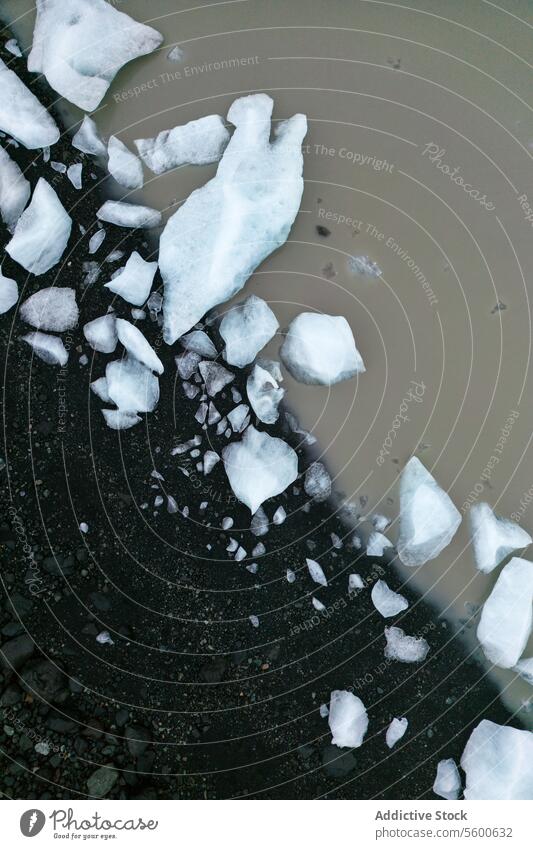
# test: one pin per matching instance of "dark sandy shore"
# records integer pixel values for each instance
(190, 701)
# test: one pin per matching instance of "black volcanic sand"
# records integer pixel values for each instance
(190, 701)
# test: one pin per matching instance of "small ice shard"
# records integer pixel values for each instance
(227, 523)
(81, 45)
(258, 550)
(175, 55)
(395, 731)
(211, 458)
(213, 416)
(238, 417)
(120, 419)
(104, 638)
(318, 605)
(380, 522)
(246, 328)
(132, 386)
(96, 240)
(525, 669)
(259, 524)
(187, 364)
(386, 601)
(51, 309)
(84, 527)
(402, 647)
(324, 711)
(225, 229)
(447, 782)
(292, 421)
(129, 214)
(376, 545)
(254, 621)
(49, 349)
(428, 516)
(88, 140)
(506, 618)
(198, 142)
(498, 762)
(215, 377)
(348, 719)
(264, 394)
(355, 582)
(316, 572)
(279, 516)
(14, 191)
(74, 173)
(134, 281)
(365, 266)
(42, 231)
(493, 538)
(259, 467)
(291, 577)
(199, 342)
(317, 482)
(99, 387)
(101, 333)
(320, 349)
(201, 413)
(9, 293)
(123, 165)
(137, 346)
(21, 114)
(13, 46)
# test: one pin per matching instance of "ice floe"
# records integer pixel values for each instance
(395, 731)
(123, 165)
(101, 333)
(134, 281)
(88, 139)
(48, 348)
(9, 293)
(264, 394)
(42, 231)
(498, 762)
(386, 601)
(137, 346)
(493, 538)
(506, 618)
(129, 214)
(447, 782)
(14, 190)
(196, 143)
(132, 386)
(404, 648)
(22, 116)
(246, 328)
(51, 309)
(348, 719)
(320, 349)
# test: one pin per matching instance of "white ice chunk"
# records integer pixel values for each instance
(96, 240)
(199, 342)
(355, 582)
(42, 231)
(132, 386)
(237, 417)
(14, 190)
(48, 348)
(101, 333)
(196, 143)
(317, 482)
(129, 214)
(264, 394)
(447, 782)
(88, 140)
(525, 669)
(506, 618)
(123, 165)
(137, 346)
(74, 173)
(259, 467)
(320, 349)
(134, 281)
(493, 538)
(318, 605)
(217, 238)
(79, 46)
(402, 647)
(259, 524)
(246, 328)
(348, 719)
(51, 309)
(395, 731)
(211, 458)
(498, 762)
(428, 516)
(279, 516)
(13, 46)
(215, 377)
(99, 387)
(316, 572)
(9, 293)
(376, 545)
(21, 114)
(386, 601)
(120, 419)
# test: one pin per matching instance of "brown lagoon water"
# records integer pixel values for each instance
(401, 100)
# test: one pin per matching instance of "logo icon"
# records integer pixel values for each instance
(32, 822)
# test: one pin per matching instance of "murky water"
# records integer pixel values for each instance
(403, 101)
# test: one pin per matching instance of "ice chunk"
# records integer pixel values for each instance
(506, 618)
(376, 545)
(187, 364)
(135, 280)
(318, 605)
(137, 346)
(246, 328)
(316, 572)
(74, 173)
(402, 647)
(525, 669)
(320, 349)
(348, 719)
(99, 387)
(51, 309)
(196, 143)
(88, 140)
(199, 342)
(279, 516)
(211, 458)
(217, 238)
(21, 114)
(120, 419)
(129, 214)
(493, 538)
(395, 731)
(13, 46)
(498, 762)
(386, 601)
(428, 517)
(259, 467)
(79, 46)
(317, 482)
(9, 293)
(42, 231)
(215, 377)
(101, 333)
(355, 582)
(447, 782)
(96, 240)
(264, 394)
(132, 386)
(123, 165)
(292, 421)
(14, 190)
(238, 418)
(48, 348)
(259, 524)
